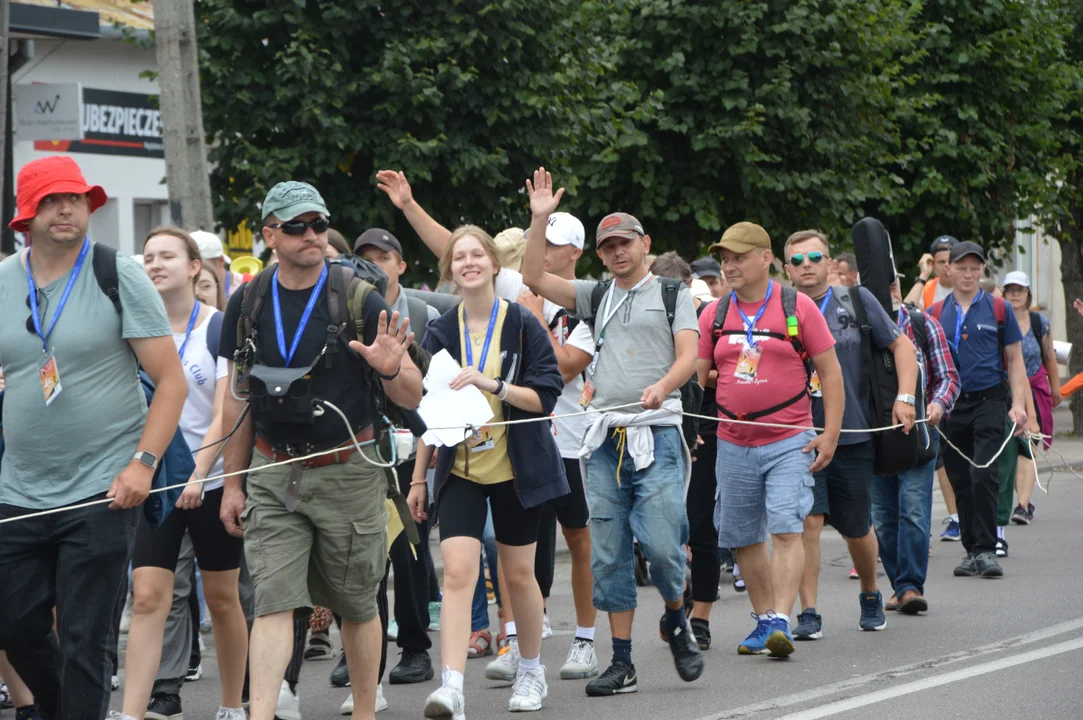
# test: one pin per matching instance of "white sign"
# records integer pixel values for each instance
(48, 111)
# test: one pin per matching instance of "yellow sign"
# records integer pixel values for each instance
(240, 240)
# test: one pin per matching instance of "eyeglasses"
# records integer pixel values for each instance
(298, 227)
(813, 257)
(43, 300)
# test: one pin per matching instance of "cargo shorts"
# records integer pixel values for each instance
(331, 551)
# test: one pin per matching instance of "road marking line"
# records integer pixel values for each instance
(807, 696)
(861, 701)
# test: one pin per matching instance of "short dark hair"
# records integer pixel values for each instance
(849, 259)
(672, 265)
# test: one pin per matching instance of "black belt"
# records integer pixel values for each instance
(997, 392)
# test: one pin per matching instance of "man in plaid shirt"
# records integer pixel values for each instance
(902, 505)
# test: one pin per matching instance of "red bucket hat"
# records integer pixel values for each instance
(58, 174)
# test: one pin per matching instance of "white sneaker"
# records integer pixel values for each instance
(381, 702)
(225, 713)
(506, 665)
(289, 704)
(581, 662)
(126, 617)
(547, 628)
(529, 691)
(114, 682)
(446, 702)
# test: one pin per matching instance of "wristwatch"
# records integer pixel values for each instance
(147, 459)
(908, 399)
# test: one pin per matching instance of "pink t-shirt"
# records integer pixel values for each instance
(779, 374)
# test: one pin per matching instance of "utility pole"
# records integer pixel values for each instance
(187, 172)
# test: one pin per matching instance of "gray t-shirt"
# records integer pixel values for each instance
(72, 449)
(848, 348)
(638, 349)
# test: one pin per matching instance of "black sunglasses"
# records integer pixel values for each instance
(42, 306)
(813, 257)
(298, 227)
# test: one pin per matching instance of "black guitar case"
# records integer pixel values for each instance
(875, 261)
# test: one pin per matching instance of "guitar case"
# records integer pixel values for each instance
(875, 261)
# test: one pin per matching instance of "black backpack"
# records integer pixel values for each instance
(789, 309)
(895, 452)
(691, 391)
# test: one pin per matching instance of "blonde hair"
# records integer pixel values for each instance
(511, 247)
(803, 235)
(482, 237)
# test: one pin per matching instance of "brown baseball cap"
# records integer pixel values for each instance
(618, 224)
(742, 237)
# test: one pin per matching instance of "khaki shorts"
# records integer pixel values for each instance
(330, 552)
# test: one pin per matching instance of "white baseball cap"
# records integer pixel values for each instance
(210, 246)
(1016, 278)
(565, 229)
(700, 291)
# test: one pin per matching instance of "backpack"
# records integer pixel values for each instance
(350, 281)
(691, 391)
(1000, 313)
(917, 322)
(789, 309)
(895, 452)
(177, 463)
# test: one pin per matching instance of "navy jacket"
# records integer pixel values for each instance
(526, 360)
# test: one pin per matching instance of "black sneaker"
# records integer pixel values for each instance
(164, 707)
(415, 667)
(968, 567)
(30, 712)
(702, 630)
(1020, 516)
(618, 678)
(1030, 511)
(987, 566)
(687, 656)
(340, 676)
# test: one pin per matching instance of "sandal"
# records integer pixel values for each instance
(481, 644)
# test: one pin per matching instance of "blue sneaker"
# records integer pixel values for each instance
(872, 611)
(756, 642)
(779, 640)
(952, 533)
(810, 626)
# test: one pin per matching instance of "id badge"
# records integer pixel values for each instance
(814, 388)
(586, 394)
(480, 440)
(748, 363)
(50, 379)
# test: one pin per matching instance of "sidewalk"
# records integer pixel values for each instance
(1070, 446)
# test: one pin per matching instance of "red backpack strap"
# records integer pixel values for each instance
(1000, 312)
(936, 309)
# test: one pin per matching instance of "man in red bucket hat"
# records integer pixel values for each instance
(77, 430)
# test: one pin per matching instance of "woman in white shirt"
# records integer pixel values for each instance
(171, 259)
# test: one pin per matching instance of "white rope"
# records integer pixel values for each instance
(377, 463)
(1011, 436)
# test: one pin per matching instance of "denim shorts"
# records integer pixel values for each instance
(761, 490)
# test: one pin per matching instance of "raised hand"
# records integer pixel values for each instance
(543, 201)
(385, 353)
(395, 185)
(1078, 305)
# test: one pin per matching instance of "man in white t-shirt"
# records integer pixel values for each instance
(564, 236)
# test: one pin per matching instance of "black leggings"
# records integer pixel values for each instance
(462, 511)
(216, 550)
(703, 535)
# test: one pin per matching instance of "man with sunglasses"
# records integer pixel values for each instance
(314, 530)
(842, 491)
(76, 429)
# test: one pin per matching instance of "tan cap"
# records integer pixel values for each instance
(618, 224)
(742, 237)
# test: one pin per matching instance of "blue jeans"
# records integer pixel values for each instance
(479, 619)
(649, 505)
(902, 511)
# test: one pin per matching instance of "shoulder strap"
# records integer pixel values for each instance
(846, 299)
(789, 309)
(255, 292)
(214, 333)
(720, 311)
(917, 321)
(670, 288)
(789, 301)
(1000, 312)
(936, 309)
(596, 295)
(105, 271)
(419, 316)
(1038, 330)
(359, 291)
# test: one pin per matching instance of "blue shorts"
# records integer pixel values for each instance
(761, 490)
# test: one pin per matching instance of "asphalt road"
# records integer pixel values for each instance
(988, 649)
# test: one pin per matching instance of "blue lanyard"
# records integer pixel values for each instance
(827, 299)
(901, 316)
(960, 316)
(749, 324)
(191, 326)
(63, 298)
(488, 337)
(229, 278)
(279, 332)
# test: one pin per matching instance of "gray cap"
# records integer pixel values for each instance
(377, 238)
(706, 267)
(287, 200)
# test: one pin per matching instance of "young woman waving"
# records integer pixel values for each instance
(507, 355)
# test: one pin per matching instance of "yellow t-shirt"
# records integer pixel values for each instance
(489, 461)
